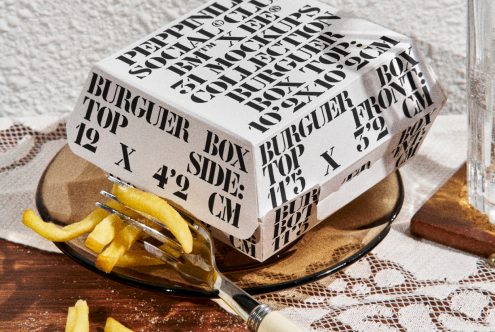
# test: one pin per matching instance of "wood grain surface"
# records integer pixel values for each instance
(449, 219)
(37, 287)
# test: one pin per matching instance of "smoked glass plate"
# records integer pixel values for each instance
(70, 186)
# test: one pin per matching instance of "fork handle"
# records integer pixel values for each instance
(263, 319)
(259, 317)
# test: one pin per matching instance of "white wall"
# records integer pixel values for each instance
(47, 46)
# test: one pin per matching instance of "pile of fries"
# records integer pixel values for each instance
(109, 237)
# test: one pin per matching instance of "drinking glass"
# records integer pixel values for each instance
(481, 111)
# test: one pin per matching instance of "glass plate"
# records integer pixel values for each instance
(70, 185)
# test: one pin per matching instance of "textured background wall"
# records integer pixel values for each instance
(47, 46)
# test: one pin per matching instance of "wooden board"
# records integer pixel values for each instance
(37, 288)
(447, 218)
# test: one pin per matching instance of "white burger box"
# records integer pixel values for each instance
(260, 118)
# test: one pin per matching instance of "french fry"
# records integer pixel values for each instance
(57, 233)
(123, 240)
(104, 233)
(158, 208)
(78, 317)
(113, 325)
(82, 317)
(71, 319)
(138, 258)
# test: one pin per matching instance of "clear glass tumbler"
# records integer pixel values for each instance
(481, 106)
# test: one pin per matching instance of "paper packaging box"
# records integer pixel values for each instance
(259, 117)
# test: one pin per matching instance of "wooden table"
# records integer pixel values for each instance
(37, 287)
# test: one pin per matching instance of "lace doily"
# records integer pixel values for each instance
(404, 284)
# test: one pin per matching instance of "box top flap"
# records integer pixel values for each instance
(256, 64)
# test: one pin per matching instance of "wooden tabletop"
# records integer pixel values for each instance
(37, 288)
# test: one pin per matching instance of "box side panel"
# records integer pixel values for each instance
(144, 141)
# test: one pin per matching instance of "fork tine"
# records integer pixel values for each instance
(115, 180)
(159, 253)
(144, 228)
(172, 261)
(109, 195)
(150, 218)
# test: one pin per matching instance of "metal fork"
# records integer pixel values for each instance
(200, 267)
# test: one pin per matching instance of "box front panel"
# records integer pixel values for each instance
(288, 222)
(356, 123)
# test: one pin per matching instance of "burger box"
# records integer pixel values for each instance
(260, 118)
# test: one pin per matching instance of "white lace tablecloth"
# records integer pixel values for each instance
(404, 284)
